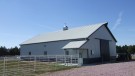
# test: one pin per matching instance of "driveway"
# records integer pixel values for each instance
(110, 69)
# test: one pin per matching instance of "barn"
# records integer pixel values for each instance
(92, 43)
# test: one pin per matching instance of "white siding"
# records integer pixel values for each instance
(73, 52)
(94, 44)
(77, 51)
(52, 48)
(84, 53)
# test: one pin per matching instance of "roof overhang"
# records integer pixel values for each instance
(74, 44)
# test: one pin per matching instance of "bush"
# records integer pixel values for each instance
(123, 57)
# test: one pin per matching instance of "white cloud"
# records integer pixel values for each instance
(118, 21)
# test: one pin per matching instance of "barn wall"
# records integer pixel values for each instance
(73, 51)
(52, 48)
(94, 42)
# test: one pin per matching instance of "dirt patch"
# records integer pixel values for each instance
(114, 69)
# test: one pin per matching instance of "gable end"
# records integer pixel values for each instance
(107, 30)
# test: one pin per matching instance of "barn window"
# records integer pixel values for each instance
(29, 53)
(80, 55)
(44, 45)
(66, 52)
(45, 52)
(91, 52)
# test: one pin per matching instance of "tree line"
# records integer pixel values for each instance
(9, 51)
(126, 49)
(125, 52)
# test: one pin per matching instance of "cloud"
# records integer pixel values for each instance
(118, 21)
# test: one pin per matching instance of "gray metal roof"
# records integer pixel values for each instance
(74, 44)
(74, 33)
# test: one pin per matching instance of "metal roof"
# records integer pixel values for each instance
(74, 33)
(74, 44)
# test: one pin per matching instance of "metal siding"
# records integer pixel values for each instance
(84, 53)
(94, 44)
(52, 48)
(73, 52)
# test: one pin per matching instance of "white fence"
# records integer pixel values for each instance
(33, 65)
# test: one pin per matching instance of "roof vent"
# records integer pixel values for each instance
(65, 28)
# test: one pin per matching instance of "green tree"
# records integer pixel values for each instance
(131, 49)
(3, 51)
(118, 49)
(14, 51)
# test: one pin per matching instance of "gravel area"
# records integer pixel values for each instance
(110, 69)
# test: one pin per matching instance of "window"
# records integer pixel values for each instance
(91, 52)
(45, 52)
(29, 53)
(80, 55)
(44, 45)
(66, 52)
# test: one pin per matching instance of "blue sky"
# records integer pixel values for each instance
(23, 19)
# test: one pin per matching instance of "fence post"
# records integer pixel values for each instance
(4, 67)
(65, 59)
(48, 58)
(71, 59)
(56, 58)
(77, 60)
(34, 63)
(18, 59)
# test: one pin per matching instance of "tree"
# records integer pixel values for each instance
(125, 51)
(124, 48)
(3, 51)
(14, 51)
(131, 49)
(118, 49)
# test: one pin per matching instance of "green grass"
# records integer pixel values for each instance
(26, 68)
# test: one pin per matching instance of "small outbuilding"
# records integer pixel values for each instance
(92, 43)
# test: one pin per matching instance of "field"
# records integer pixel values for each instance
(29, 68)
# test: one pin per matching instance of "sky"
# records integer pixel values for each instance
(24, 19)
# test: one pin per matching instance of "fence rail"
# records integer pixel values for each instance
(32, 65)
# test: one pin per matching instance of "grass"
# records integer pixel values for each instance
(26, 68)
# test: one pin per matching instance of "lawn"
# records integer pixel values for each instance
(29, 68)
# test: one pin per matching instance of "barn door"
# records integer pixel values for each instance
(104, 50)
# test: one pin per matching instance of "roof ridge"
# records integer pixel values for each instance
(75, 28)
(73, 33)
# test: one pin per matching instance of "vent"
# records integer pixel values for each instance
(65, 28)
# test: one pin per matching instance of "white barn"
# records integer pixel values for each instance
(92, 43)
